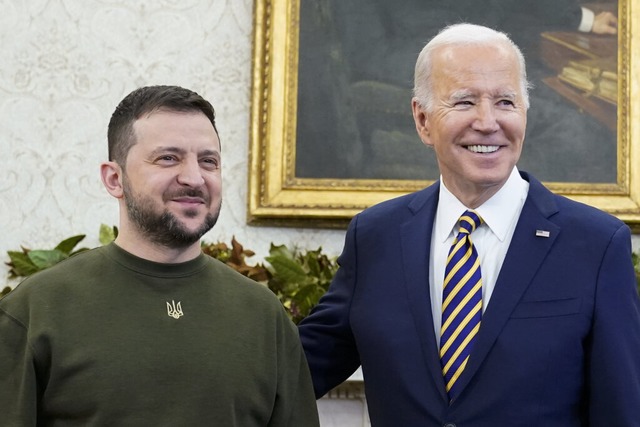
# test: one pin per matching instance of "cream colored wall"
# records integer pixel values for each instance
(65, 64)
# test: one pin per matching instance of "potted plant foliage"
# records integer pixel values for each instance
(298, 277)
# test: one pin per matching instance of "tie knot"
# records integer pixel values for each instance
(469, 221)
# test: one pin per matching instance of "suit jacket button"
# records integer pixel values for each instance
(449, 425)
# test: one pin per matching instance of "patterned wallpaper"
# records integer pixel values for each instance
(64, 66)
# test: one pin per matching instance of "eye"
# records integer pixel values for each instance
(210, 163)
(463, 104)
(166, 159)
(506, 103)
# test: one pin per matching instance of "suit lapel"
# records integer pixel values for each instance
(526, 253)
(416, 238)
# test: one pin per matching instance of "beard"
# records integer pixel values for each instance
(164, 228)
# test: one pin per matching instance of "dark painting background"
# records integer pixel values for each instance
(356, 61)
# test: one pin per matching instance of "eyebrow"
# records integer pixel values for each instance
(509, 95)
(463, 94)
(161, 150)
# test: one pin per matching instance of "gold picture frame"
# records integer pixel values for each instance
(277, 196)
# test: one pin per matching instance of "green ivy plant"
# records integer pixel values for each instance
(635, 256)
(27, 261)
(298, 277)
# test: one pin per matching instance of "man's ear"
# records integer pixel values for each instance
(111, 174)
(421, 119)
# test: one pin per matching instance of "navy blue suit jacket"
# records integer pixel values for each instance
(559, 343)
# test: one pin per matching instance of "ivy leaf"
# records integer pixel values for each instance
(308, 295)
(5, 291)
(67, 245)
(304, 300)
(288, 269)
(280, 251)
(312, 261)
(46, 258)
(20, 264)
(107, 234)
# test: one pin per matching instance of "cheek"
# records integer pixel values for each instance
(453, 124)
(515, 126)
(444, 151)
(214, 183)
(445, 136)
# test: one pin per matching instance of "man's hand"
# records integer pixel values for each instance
(605, 23)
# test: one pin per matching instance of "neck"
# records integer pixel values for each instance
(473, 200)
(470, 195)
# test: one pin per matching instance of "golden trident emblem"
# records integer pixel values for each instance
(174, 310)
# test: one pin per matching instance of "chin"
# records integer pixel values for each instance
(490, 180)
(193, 226)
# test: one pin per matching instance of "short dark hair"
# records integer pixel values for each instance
(146, 100)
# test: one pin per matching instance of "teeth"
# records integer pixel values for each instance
(483, 148)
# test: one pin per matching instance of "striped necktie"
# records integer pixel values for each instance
(461, 303)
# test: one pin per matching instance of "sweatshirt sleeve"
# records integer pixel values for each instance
(295, 401)
(18, 383)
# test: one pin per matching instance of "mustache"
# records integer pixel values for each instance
(187, 192)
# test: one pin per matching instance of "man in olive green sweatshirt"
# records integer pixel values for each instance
(149, 331)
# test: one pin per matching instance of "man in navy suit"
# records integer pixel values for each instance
(558, 342)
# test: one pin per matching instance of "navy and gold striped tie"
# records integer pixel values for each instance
(461, 303)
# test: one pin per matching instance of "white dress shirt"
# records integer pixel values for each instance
(500, 215)
(586, 22)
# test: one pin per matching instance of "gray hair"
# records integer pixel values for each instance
(461, 34)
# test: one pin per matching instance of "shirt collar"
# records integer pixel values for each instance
(497, 212)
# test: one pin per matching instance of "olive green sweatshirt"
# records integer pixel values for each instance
(109, 339)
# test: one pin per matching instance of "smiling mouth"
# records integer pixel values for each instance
(189, 200)
(483, 148)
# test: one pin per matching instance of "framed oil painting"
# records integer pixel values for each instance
(331, 125)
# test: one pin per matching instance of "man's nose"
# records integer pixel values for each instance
(486, 119)
(190, 173)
